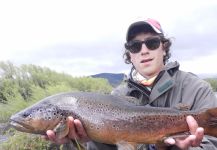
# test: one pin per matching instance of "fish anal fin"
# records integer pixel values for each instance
(62, 129)
(123, 145)
(161, 146)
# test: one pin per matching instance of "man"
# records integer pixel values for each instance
(156, 83)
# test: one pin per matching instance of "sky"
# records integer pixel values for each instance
(86, 37)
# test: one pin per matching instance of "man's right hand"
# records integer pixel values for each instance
(76, 131)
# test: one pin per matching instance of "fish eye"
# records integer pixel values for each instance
(25, 115)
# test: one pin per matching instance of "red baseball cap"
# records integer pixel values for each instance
(143, 26)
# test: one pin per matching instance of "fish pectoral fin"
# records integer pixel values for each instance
(62, 129)
(73, 145)
(123, 145)
(78, 145)
(161, 146)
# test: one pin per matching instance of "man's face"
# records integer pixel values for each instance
(148, 62)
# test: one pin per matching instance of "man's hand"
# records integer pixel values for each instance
(76, 131)
(192, 140)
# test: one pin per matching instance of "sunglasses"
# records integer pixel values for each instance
(135, 46)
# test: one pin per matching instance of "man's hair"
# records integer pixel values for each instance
(166, 46)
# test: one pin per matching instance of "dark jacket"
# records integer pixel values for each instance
(171, 88)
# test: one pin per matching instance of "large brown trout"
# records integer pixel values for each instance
(109, 119)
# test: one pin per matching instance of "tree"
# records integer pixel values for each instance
(213, 83)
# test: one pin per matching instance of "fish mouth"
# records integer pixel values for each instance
(21, 126)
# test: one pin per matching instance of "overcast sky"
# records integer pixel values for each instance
(84, 37)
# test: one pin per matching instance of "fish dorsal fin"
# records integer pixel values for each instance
(62, 129)
(123, 145)
(182, 107)
(132, 100)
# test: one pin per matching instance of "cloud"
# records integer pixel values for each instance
(201, 65)
(86, 39)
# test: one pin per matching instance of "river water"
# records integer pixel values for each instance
(3, 137)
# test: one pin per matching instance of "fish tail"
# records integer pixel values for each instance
(210, 122)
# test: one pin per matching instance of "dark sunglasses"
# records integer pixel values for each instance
(135, 46)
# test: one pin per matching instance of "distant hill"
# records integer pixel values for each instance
(204, 76)
(113, 79)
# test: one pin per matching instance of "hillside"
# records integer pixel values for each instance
(113, 79)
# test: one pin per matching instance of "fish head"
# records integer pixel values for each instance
(36, 119)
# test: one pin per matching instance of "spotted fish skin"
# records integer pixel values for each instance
(109, 119)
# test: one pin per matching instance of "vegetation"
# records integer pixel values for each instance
(213, 83)
(24, 85)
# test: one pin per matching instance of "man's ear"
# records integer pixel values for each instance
(164, 53)
(164, 46)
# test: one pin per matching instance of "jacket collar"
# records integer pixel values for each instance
(165, 82)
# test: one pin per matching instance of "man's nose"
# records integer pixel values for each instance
(144, 49)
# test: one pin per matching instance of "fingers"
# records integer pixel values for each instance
(76, 130)
(186, 143)
(71, 135)
(192, 124)
(72, 130)
(181, 143)
(192, 140)
(80, 130)
(195, 130)
(169, 141)
(199, 137)
(51, 135)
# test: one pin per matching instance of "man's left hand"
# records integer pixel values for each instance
(192, 140)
